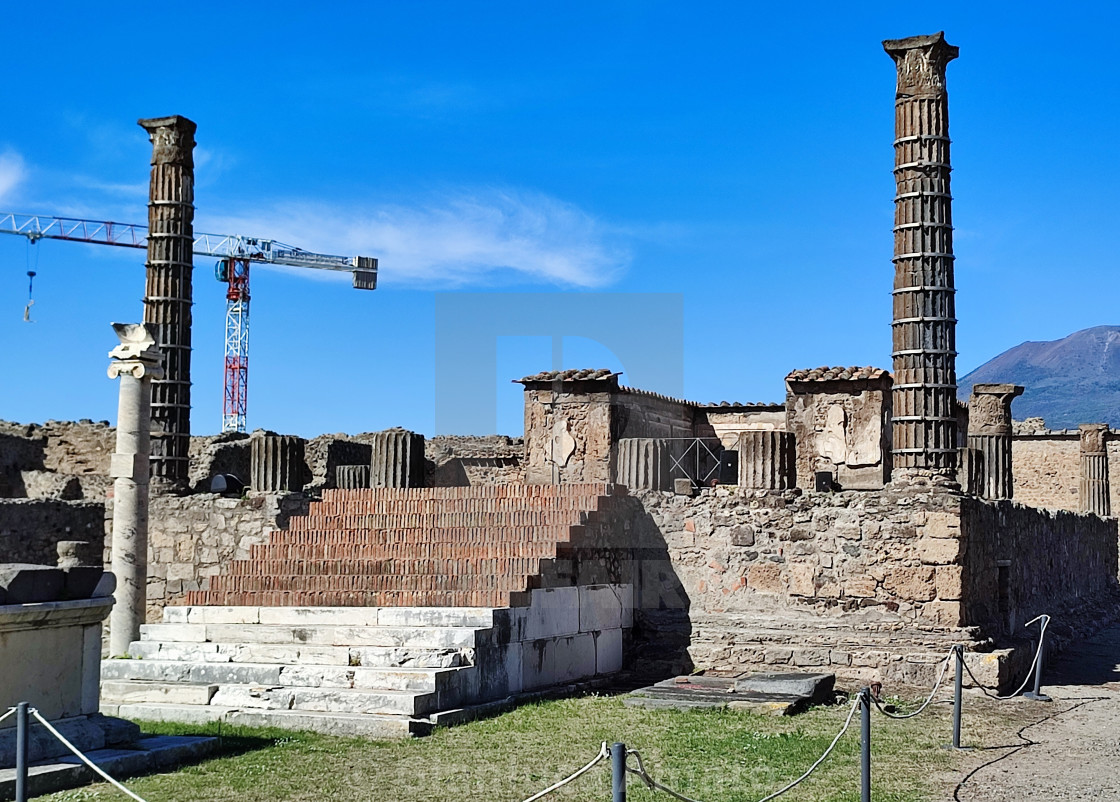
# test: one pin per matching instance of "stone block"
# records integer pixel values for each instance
(765, 578)
(683, 487)
(608, 651)
(942, 613)
(802, 579)
(551, 612)
(600, 607)
(942, 525)
(21, 583)
(81, 580)
(810, 657)
(860, 587)
(815, 687)
(939, 551)
(947, 580)
(555, 661)
(911, 583)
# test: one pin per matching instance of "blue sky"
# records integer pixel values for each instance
(737, 155)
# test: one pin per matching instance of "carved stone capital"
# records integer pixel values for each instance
(1093, 438)
(136, 369)
(989, 408)
(172, 139)
(137, 355)
(921, 62)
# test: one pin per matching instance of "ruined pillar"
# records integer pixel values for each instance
(351, 477)
(136, 362)
(275, 462)
(767, 460)
(924, 421)
(643, 463)
(1093, 492)
(398, 459)
(167, 294)
(989, 432)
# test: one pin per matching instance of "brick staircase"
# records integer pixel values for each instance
(382, 612)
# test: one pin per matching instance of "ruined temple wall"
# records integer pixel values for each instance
(190, 538)
(30, 529)
(567, 436)
(1021, 562)
(79, 449)
(640, 414)
(1047, 467)
(727, 425)
(466, 461)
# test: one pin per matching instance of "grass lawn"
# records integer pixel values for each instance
(709, 755)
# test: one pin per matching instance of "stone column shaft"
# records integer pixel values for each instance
(168, 293)
(989, 433)
(137, 363)
(767, 460)
(1093, 489)
(644, 463)
(398, 459)
(924, 424)
(276, 462)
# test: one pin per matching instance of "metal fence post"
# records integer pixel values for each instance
(958, 652)
(618, 772)
(865, 745)
(1037, 694)
(22, 757)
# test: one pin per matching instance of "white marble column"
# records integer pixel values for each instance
(136, 361)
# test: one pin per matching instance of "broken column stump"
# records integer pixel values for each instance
(1093, 492)
(398, 459)
(352, 477)
(767, 460)
(989, 432)
(643, 463)
(275, 462)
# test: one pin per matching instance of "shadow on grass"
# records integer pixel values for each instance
(233, 740)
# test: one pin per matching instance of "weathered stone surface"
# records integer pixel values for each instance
(21, 583)
(939, 551)
(767, 460)
(277, 462)
(398, 459)
(1093, 489)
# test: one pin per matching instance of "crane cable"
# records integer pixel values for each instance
(30, 284)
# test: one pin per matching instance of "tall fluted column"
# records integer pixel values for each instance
(924, 424)
(1093, 492)
(168, 296)
(989, 432)
(136, 361)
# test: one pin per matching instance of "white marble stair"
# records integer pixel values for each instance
(380, 672)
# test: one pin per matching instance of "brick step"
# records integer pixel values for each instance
(476, 491)
(466, 535)
(401, 551)
(463, 567)
(389, 598)
(431, 506)
(343, 724)
(320, 635)
(442, 520)
(476, 617)
(372, 583)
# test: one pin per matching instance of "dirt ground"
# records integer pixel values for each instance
(1061, 750)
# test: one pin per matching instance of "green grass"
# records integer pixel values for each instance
(706, 754)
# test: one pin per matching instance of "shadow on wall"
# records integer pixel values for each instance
(18, 454)
(662, 629)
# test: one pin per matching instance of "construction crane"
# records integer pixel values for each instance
(234, 254)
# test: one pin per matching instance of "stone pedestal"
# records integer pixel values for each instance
(989, 432)
(276, 462)
(398, 459)
(136, 361)
(767, 460)
(352, 477)
(168, 294)
(643, 463)
(1093, 493)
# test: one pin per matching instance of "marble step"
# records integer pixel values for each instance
(314, 635)
(297, 655)
(254, 696)
(338, 616)
(409, 680)
(346, 724)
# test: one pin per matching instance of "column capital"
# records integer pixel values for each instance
(1093, 437)
(137, 355)
(989, 408)
(172, 139)
(921, 62)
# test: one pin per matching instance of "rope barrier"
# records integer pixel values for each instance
(929, 699)
(10, 711)
(603, 753)
(642, 774)
(80, 756)
(1034, 664)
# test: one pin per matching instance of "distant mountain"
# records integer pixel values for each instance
(1069, 381)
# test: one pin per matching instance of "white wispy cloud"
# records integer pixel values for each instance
(12, 172)
(465, 238)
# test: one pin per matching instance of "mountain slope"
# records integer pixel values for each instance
(1069, 381)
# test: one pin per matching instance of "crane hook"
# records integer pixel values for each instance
(30, 301)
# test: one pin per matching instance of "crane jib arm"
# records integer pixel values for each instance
(127, 235)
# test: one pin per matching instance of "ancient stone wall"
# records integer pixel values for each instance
(191, 537)
(462, 461)
(1022, 562)
(226, 453)
(1047, 466)
(30, 529)
(68, 449)
(728, 421)
(638, 413)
